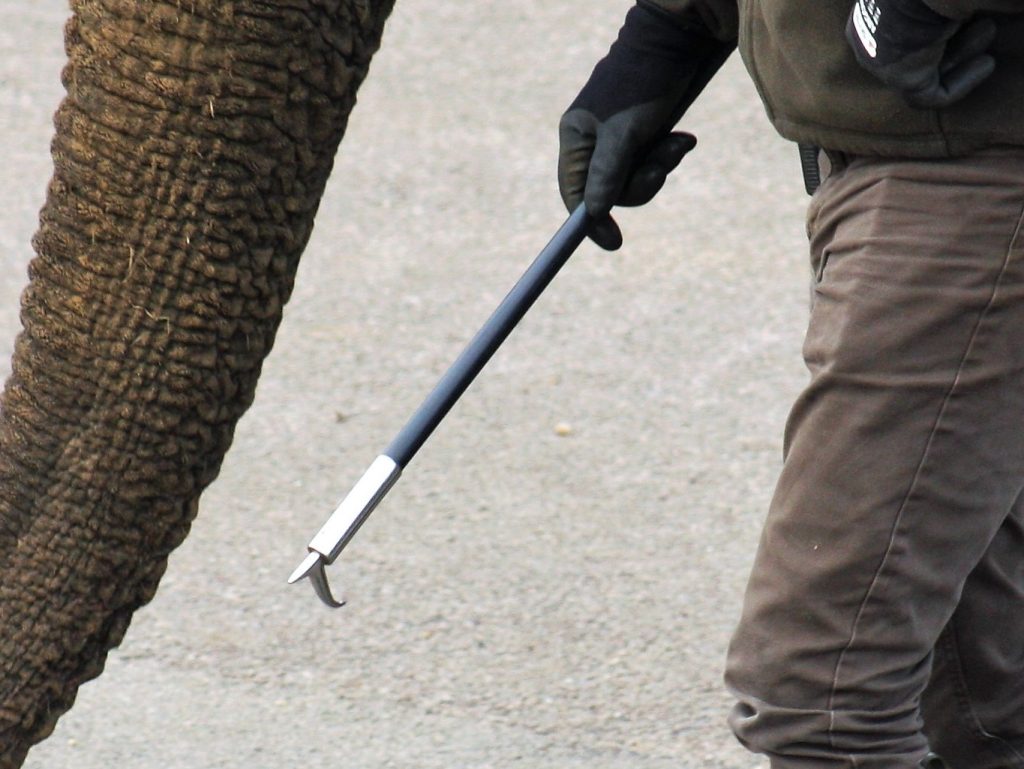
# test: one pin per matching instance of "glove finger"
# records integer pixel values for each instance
(971, 41)
(609, 171)
(957, 84)
(606, 233)
(574, 155)
(965, 78)
(577, 139)
(644, 184)
(573, 172)
(964, 66)
(671, 150)
(648, 179)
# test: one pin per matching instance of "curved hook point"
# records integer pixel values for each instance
(319, 579)
(313, 567)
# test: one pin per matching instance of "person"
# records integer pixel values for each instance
(883, 622)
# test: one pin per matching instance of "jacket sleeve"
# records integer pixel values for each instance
(963, 9)
(720, 18)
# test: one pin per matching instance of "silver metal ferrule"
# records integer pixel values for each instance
(355, 508)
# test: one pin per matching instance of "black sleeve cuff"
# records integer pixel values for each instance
(653, 30)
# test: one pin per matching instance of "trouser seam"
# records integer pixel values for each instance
(914, 480)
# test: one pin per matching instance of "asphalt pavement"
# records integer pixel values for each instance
(553, 582)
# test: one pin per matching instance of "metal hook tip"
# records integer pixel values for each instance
(313, 567)
(307, 565)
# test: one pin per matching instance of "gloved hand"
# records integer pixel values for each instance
(615, 142)
(933, 61)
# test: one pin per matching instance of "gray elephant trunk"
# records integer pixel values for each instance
(190, 155)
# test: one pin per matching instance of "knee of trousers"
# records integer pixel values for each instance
(798, 725)
(819, 738)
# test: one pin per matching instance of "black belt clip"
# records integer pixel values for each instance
(809, 154)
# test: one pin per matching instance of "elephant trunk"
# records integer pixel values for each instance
(190, 155)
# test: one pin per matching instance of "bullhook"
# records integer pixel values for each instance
(375, 483)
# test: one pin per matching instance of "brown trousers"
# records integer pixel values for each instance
(885, 610)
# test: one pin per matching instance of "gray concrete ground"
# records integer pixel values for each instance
(522, 598)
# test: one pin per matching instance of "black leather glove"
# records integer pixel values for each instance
(933, 61)
(615, 142)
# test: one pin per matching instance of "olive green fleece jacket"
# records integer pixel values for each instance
(814, 91)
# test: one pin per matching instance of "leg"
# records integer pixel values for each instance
(903, 458)
(974, 704)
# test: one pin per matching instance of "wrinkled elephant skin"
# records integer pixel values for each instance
(190, 155)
